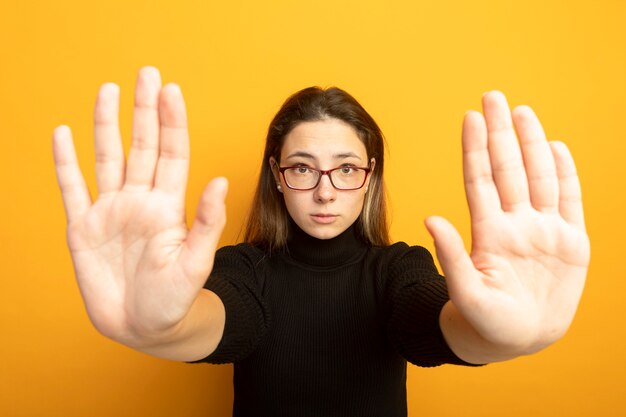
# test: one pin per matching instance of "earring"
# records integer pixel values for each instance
(279, 187)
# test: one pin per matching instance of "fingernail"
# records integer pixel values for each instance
(62, 130)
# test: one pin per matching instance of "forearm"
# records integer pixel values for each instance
(469, 345)
(194, 338)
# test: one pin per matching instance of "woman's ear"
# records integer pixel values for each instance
(369, 175)
(275, 172)
(274, 168)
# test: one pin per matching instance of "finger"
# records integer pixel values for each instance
(108, 141)
(458, 268)
(203, 238)
(540, 168)
(506, 158)
(481, 191)
(76, 198)
(144, 151)
(173, 165)
(570, 195)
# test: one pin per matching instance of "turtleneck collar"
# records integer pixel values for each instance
(339, 250)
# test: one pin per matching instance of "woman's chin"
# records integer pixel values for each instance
(324, 231)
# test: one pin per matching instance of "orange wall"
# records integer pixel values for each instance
(415, 65)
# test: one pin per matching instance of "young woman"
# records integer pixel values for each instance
(317, 310)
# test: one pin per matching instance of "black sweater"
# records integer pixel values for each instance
(324, 327)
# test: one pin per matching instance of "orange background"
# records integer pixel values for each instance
(417, 66)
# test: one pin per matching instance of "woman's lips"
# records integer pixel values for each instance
(323, 218)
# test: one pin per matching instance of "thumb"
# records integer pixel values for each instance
(457, 266)
(199, 249)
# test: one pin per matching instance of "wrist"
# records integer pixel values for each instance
(194, 337)
(475, 346)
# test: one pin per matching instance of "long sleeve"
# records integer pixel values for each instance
(415, 295)
(237, 279)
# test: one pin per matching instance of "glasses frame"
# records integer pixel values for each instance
(321, 174)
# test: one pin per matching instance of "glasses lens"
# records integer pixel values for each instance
(301, 178)
(346, 178)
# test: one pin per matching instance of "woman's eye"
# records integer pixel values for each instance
(302, 170)
(346, 170)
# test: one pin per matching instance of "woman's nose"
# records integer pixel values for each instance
(325, 191)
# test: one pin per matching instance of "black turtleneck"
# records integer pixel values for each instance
(324, 327)
(324, 253)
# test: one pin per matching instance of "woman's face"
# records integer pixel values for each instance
(323, 212)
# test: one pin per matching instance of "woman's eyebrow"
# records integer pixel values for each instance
(346, 155)
(307, 155)
(300, 154)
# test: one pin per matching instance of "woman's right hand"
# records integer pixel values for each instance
(139, 269)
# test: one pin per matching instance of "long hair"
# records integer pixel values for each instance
(268, 221)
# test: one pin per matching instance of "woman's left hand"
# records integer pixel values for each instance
(519, 288)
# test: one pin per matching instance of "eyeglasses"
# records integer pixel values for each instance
(303, 178)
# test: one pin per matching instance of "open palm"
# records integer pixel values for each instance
(138, 267)
(521, 284)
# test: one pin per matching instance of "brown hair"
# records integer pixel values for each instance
(268, 222)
